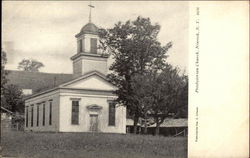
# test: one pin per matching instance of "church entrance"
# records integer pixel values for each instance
(93, 122)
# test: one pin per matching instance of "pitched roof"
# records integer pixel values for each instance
(91, 73)
(37, 81)
(130, 122)
(181, 122)
(62, 84)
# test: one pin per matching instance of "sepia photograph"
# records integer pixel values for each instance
(100, 79)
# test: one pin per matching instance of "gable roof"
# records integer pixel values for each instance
(63, 85)
(84, 77)
(37, 81)
(130, 122)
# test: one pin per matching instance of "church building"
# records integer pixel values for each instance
(84, 103)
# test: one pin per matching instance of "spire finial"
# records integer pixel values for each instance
(90, 7)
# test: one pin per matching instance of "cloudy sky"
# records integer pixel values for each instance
(45, 30)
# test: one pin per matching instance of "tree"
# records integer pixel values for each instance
(3, 76)
(13, 98)
(183, 100)
(141, 84)
(166, 91)
(11, 95)
(30, 65)
(135, 48)
(161, 94)
(3, 71)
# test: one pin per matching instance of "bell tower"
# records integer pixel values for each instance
(88, 57)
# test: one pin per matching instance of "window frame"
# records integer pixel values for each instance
(32, 116)
(79, 46)
(44, 108)
(75, 108)
(93, 45)
(37, 115)
(110, 121)
(27, 117)
(50, 112)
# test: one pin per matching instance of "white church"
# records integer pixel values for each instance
(86, 103)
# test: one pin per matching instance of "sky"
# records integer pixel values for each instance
(45, 31)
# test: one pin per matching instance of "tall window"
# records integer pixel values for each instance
(93, 45)
(32, 115)
(27, 116)
(50, 112)
(37, 115)
(75, 112)
(112, 113)
(43, 114)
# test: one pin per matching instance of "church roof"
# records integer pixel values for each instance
(91, 73)
(89, 28)
(64, 84)
(37, 81)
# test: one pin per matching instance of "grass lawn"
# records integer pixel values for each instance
(89, 145)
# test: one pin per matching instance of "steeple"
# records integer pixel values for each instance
(88, 57)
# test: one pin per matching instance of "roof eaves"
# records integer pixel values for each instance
(89, 54)
(40, 93)
(85, 76)
(2, 108)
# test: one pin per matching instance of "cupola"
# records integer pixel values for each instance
(88, 57)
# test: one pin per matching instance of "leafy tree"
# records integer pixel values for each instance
(3, 76)
(161, 94)
(167, 90)
(183, 100)
(141, 84)
(3, 71)
(11, 95)
(135, 48)
(13, 98)
(30, 65)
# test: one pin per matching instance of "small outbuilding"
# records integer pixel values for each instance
(171, 127)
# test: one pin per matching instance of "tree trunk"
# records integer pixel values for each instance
(145, 128)
(135, 124)
(145, 124)
(158, 123)
(157, 129)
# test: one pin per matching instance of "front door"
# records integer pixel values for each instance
(93, 123)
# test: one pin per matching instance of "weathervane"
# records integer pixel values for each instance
(90, 7)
